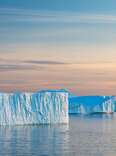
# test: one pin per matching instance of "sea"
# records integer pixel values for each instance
(90, 135)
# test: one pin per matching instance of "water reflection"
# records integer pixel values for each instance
(92, 135)
(34, 140)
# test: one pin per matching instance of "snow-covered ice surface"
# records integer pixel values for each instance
(91, 104)
(43, 107)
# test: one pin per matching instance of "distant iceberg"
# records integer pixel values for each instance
(91, 104)
(44, 107)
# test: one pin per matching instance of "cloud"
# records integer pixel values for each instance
(26, 65)
(12, 82)
(54, 16)
(44, 62)
(17, 67)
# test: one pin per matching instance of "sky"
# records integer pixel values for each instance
(53, 44)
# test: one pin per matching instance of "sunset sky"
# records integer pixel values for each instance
(53, 44)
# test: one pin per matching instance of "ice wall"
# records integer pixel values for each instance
(91, 104)
(42, 107)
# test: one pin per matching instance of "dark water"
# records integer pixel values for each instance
(85, 136)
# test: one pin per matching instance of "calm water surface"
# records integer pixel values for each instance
(85, 136)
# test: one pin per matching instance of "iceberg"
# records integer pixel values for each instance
(91, 104)
(43, 107)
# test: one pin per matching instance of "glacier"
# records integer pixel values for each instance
(42, 107)
(91, 104)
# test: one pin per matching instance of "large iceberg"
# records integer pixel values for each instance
(91, 104)
(44, 107)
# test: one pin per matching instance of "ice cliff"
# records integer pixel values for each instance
(91, 104)
(42, 107)
(49, 106)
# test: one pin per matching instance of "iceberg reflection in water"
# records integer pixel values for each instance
(42, 107)
(34, 140)
(84, 136)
